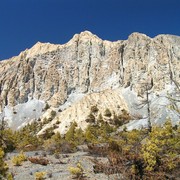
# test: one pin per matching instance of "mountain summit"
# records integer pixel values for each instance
(88, 71)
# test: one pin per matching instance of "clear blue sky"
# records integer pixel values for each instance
(24, 22)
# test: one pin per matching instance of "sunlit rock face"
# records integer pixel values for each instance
(61, 75)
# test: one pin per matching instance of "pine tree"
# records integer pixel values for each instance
(3, 165)
(71, 132)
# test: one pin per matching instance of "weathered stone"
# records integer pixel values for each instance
(87, 64)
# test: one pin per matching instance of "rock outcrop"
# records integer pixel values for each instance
(88, 65)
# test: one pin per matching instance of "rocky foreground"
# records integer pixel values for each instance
(58, 166)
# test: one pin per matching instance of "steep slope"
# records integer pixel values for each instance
(80, 110)
(62, 74)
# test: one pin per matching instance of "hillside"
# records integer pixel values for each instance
(88, 71)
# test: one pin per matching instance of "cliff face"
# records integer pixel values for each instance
(88, 65)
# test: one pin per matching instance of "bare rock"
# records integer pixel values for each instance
(89, 67)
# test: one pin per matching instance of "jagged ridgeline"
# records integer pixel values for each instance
(59, 84)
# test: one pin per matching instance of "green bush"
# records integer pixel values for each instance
(141, 155)
(9, 176)
(69, 136)
(3, 165)
(74, 136)
(91, 133)
(77, 171)
(40, 175)
(17, 160)
(49, 132)
(27, 137)
(162, 148)
(79, 136)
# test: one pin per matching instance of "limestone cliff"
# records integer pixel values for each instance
(86, 65)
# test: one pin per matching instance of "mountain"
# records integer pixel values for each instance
(88, 71)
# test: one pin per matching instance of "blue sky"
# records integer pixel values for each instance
(24, 22)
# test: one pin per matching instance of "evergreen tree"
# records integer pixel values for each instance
(3, 165)
(70, 135)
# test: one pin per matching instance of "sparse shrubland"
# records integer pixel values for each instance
(66, 144)
(137, 154)
(162, 148)
(27, 137)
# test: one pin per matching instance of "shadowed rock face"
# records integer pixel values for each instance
(86, 64)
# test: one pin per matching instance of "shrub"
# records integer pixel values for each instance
(26, 138)
(53, 114)
(56, 155)
(100, 118)
(119, 120)
(17, 160)
(3, 165)
(138, 155)
(125, 116)
(105, 131)
(46, 107)
(8, 138)
(107, 113)
(114, 146)
(54, 143)
(40, 175)
(79, 136)
(161, 149)
(91, 133)
(94, 109)
(90, 118)
(10, 176)
(116, 121)
(58, 122)
(49, 132)
(77, 171)
(22, 156)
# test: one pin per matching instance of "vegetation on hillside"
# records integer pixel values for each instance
(138, 154)
(143, 155)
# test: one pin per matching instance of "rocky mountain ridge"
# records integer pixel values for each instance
(86, 66)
